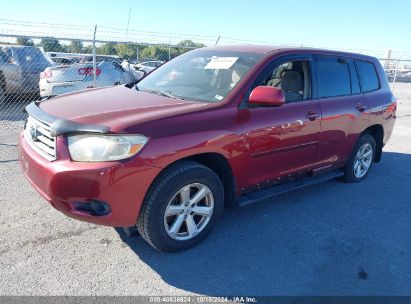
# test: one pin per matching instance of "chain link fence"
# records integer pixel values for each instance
(40, 67)
(43, 67)
(398, 72)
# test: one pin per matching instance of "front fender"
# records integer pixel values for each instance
(161, 152)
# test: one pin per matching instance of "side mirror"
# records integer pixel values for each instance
(267, 96)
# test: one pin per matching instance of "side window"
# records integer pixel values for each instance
(8, 51)
(117, 66)
(368, 76)
(293, 77)
(333, 77)
(3, 57)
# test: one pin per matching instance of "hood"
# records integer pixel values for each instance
(116, 107)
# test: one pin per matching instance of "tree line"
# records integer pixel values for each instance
(129, 51)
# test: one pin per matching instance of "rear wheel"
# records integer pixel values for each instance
(181, 208)
(2, 96)
(361, 159)
(2, 91)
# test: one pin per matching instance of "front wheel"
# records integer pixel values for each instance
(361, 159)
(181, 208)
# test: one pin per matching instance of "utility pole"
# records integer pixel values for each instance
(169, 48)
(128, 23)
(94, 57)
(397, 65)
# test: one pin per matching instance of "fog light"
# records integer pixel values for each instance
(93, 207)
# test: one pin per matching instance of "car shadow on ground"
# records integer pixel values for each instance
(328, 239)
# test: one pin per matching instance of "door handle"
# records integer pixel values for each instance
(312, 115)
(360, 107)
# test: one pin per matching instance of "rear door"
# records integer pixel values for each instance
(343, 108)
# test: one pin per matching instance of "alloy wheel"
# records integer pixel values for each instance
(363, 160)
(188, 212)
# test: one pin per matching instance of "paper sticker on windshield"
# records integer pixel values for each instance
(220, 63)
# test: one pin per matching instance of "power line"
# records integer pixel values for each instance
(47, 23)
(106, 33)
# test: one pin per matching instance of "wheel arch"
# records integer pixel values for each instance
(219, 165)
(376, 131)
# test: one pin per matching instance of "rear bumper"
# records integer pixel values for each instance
(57, 88)
(65, 184)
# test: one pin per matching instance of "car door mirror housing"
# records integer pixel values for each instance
(267, 96)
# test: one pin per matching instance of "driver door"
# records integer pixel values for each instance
(283, 140)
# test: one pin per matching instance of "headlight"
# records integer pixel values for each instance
(99, 148)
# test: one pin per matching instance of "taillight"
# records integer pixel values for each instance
(46, 74)
(88, 71)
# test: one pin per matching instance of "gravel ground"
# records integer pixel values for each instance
(328, 239)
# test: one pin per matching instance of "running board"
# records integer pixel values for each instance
(259, 195)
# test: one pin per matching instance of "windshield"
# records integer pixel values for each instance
(202, 75)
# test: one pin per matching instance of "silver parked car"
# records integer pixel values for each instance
(20, 67)
(148, 66)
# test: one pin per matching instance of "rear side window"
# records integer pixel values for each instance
(368, 76)
(8, 52)
(333, 76)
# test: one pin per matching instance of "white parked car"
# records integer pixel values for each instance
(79, 76)
(148, 66)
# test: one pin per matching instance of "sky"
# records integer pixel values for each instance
(360, 25)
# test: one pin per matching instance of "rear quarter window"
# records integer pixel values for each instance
(368, 76)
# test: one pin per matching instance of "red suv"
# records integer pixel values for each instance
(215, 126)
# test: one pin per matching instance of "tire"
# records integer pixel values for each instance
(164, 208)
(354, 163)
(2, 91)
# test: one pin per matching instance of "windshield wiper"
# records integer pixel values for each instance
(162, 93)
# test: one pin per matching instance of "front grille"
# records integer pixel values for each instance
(37, 135)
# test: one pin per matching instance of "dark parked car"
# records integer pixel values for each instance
(20, 67)
(216, 126)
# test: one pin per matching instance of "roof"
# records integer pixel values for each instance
(261, 49)
(266, 49)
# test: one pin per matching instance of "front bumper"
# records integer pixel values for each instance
(65, 184)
